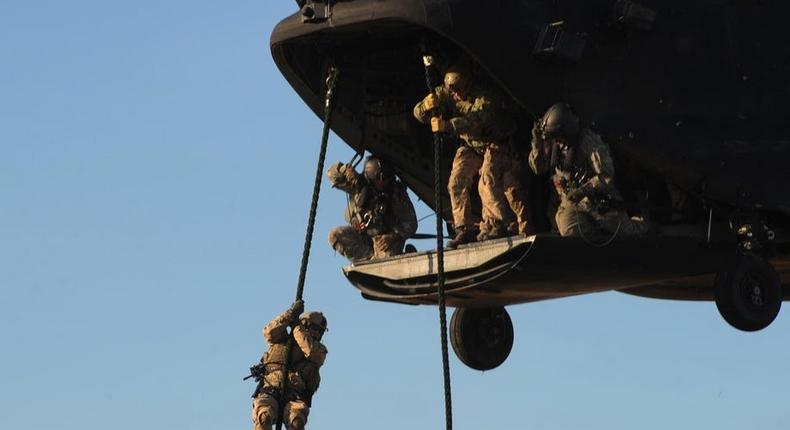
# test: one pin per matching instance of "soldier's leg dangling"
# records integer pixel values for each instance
(264, 411)
(296, 412)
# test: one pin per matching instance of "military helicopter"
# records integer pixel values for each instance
(690, 94)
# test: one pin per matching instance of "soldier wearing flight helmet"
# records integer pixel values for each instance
(379, 212)
(590, 205)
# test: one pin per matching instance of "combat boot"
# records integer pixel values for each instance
(495, 233)
(514, 230)
(464, 235)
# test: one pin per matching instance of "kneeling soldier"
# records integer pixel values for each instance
(590, 205)
(307, 356)
(379, 210)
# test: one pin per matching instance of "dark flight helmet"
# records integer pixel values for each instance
(375, 169)
(560, 121)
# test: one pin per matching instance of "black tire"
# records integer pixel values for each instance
(481, 337)
(749, 293)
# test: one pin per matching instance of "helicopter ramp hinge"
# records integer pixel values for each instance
(556, 42)
(633, 15)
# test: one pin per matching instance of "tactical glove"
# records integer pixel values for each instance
(336, 173)
(439, 125)
(296, 309)
(537, 135)
(430, 102)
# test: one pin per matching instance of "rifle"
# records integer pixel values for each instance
(257, 372)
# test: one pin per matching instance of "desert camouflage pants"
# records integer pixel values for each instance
(501, 189)
(574, 220)
(265, 409)
(515, 183)
(357, 246)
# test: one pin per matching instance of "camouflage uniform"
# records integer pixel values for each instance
(394, 219)
(481, 122)
(515, 184)
(307, 356)
(583, 178)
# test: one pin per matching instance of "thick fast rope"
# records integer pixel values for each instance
(448, 401)
(437, 174)
(331, 81)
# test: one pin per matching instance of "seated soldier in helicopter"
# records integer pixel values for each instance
(590, 205)
(379, 211)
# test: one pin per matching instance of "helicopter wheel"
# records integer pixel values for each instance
(481, 337)
(749, 294)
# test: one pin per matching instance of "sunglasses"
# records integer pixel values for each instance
(311, 326)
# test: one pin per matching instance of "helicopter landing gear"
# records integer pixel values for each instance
(749, 293)
(481, 337)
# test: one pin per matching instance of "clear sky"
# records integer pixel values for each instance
(155, 176)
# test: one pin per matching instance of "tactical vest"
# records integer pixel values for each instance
(569, 171)
(574, 167)
(370, 210)
(276, 357)
(497, 129)
(303, 376)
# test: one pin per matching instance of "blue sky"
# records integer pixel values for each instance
(155, 175)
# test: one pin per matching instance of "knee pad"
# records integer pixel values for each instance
(264, 419)
(296, 424)
(332, 238)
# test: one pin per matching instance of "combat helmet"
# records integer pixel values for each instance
(560, 121)
(374, 169)
(457, 79)
(313, 319)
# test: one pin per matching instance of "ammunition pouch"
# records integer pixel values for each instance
(308, 373)
(271, 391)
(302, 395)
(276, 357)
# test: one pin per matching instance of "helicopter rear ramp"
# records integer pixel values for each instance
(524, 269)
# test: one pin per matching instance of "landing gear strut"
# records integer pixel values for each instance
(749, 293)
(481, 337)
